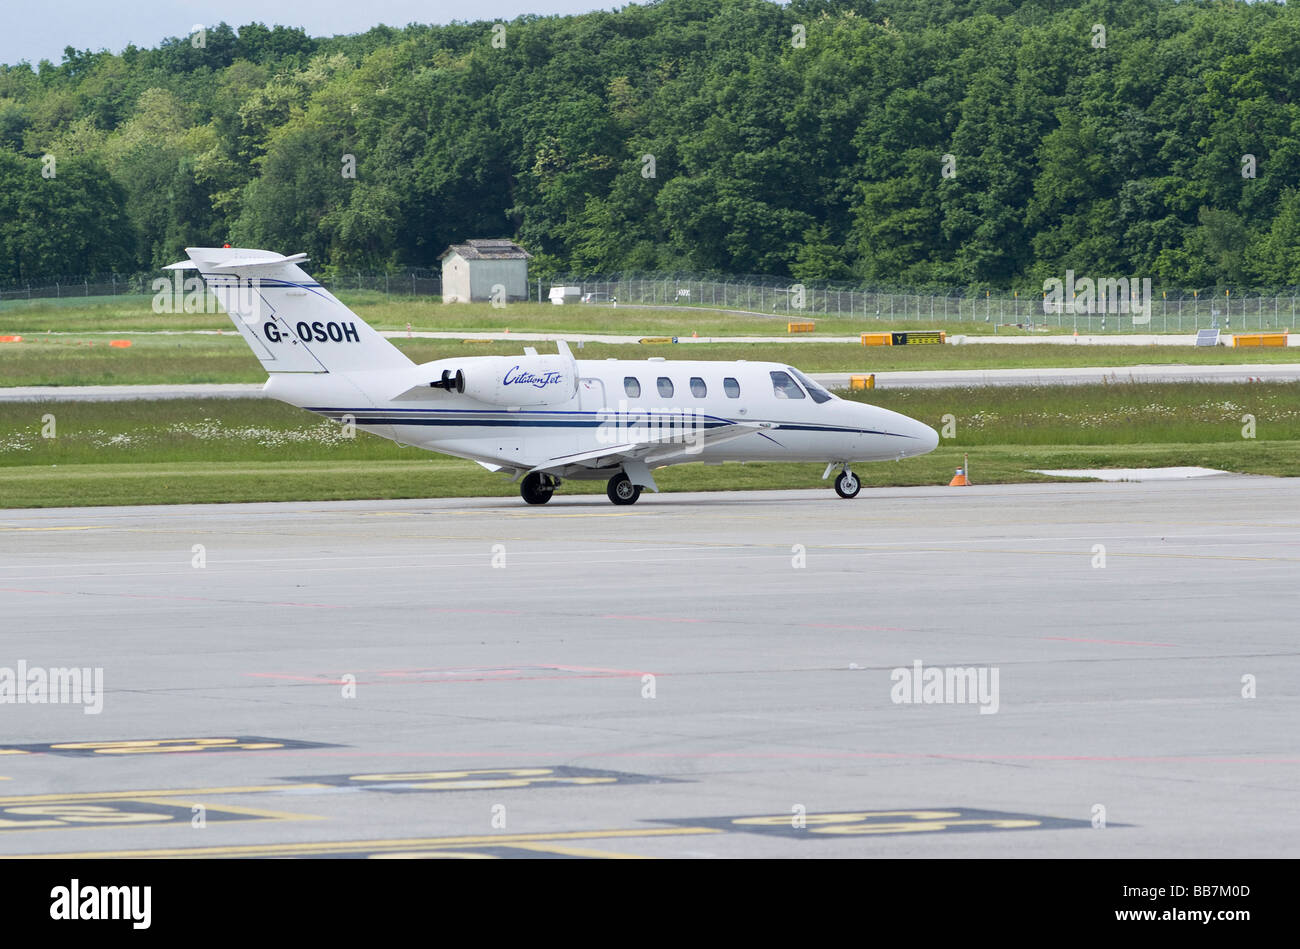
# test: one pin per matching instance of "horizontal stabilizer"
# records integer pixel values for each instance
(255, 263)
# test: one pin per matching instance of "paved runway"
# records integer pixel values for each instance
(702, 675)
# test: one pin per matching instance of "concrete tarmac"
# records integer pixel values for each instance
(701, 675)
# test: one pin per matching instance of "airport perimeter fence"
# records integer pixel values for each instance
(1170, 311)
(410, 283)
(1183, 311)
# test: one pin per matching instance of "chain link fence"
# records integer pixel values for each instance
(1182, 311)
(410, 283)
(1170, 311)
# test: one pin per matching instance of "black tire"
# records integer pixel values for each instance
(847, 484)
(621, 490)
(536, 488)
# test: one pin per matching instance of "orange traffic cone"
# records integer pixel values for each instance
(959, 479)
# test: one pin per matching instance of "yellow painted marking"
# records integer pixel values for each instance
(164, 792)
(433, 854)
(500, 783)
(13, 751)
(580, 852)
(86, 528)
(910, 826)
(162, 745)
(479, 780)
(450, 775)
(67, 815)
(379, 846)
(783, 819)
(234, 809)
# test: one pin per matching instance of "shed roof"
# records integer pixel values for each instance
(494, 249)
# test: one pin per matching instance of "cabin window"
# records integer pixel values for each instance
(665, 387)
(731, 387)
(819, 395)
(632, 386)
(698, 388)
(784, 387)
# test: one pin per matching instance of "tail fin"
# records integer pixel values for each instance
(290, 321)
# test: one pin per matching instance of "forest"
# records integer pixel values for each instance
(903, 143)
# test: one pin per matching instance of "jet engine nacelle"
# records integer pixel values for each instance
(515, 380)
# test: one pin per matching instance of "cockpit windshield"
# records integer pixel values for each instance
(819, 395)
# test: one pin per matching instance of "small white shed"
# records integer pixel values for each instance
(470, 270)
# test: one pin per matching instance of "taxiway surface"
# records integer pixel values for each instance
(699, 675)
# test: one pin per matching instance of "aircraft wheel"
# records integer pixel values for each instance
(847, 484)
(621, 490)
(536, 488)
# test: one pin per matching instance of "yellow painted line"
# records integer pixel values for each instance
(13, 751)
(231, 809)
(87, 528)
(580, 852)
(380, 846)
(155, 819)
(164, 792)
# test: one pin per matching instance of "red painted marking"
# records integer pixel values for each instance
(1109, 642)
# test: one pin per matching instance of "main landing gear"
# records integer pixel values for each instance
(537, 488)
(621, 490)
(847, 484)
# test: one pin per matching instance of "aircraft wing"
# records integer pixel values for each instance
(653, 450)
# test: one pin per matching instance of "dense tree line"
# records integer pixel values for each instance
(916, 142)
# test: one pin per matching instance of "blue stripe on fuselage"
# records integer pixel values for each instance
(586, 420)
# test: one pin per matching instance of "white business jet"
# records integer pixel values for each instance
(542, 418)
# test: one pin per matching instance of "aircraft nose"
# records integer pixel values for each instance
(927, 439)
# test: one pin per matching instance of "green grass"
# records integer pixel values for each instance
(135, 313)
(1147, 413)
(177, 451)
(157, 360)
